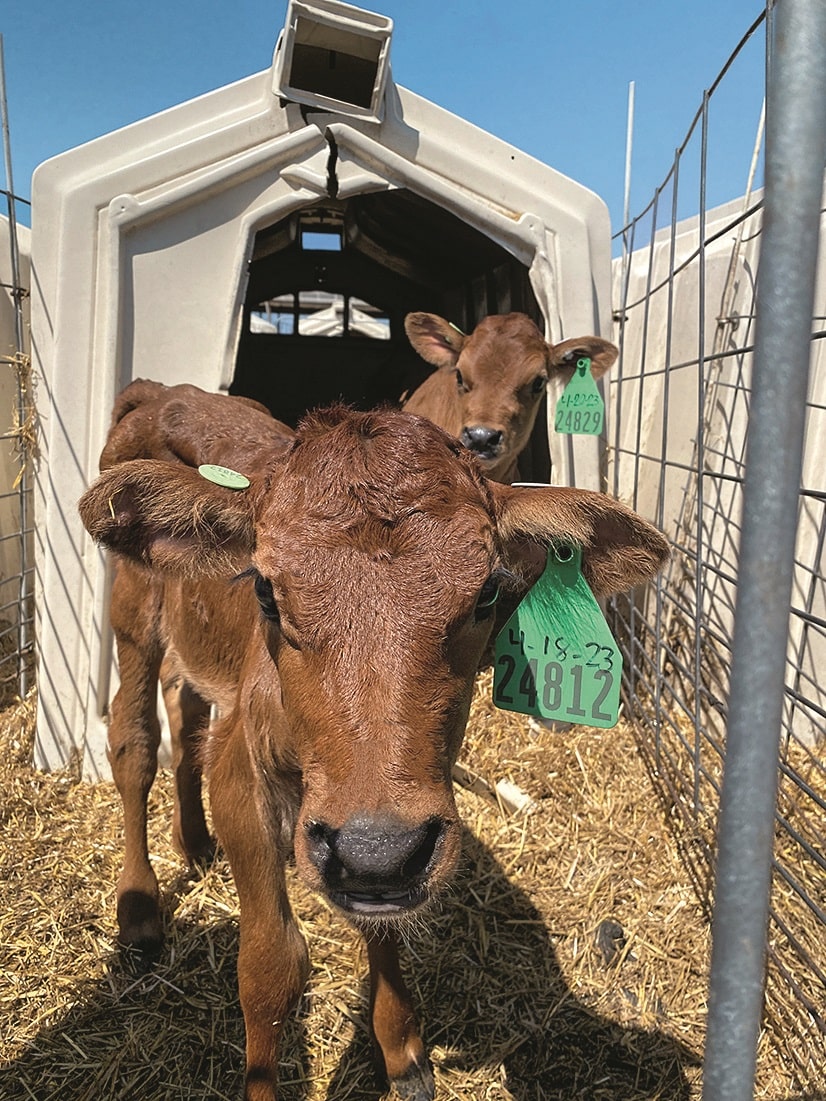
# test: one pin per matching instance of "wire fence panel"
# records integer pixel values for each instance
(17, 437)
(17, 445)
(685, 293)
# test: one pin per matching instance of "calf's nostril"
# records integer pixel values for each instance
(320, 833)
(321, 840)
(416, 864)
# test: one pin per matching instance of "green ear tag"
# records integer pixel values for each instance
(223, 476)
(580, 410)
(555, 657)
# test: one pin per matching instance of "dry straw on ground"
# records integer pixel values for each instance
(517, 994)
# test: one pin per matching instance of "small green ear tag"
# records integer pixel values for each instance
(223, 476)
(580, 410)
(555, 657)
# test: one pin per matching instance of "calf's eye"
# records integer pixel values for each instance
(460, 382)
(488, 596)
(538, 384)
(266, 599)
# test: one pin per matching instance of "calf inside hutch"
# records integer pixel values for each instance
(330, 286)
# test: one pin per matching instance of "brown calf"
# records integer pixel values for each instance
(182, 424)
(335, 611)
(188, 425)
(490, 385)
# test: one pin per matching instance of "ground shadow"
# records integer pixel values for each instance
(484, 974)
(171, 1027)
(492, 996)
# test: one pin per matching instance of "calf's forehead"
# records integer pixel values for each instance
(385, 489)
(370, 559)
(509, 344)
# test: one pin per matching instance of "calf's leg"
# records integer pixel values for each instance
(188, 715)
(272, 957)
(133, 737)
(394, 1021)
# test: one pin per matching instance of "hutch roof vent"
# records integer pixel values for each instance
(333, 57)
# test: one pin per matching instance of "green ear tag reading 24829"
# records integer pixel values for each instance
(555, 657)
(580, 410)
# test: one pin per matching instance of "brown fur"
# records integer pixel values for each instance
(489, 385)
(343, 698)
(188, 425)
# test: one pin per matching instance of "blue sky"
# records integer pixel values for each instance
(549, 77)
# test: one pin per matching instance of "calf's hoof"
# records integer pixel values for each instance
(197, 848)
(416, 1084)
(139, 924)
(203, 857)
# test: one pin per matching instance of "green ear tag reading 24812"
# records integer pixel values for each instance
(555, 657)
(580, 410)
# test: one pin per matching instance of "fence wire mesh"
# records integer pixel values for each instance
(685, 308)
(16, 552)
(18, 440)
(17, 446)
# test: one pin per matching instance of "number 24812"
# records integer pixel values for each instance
(556, 689)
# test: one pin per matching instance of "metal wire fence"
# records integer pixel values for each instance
(16, 528)
(17, 444)
(17, 441)
(683, 398)
(16, 543)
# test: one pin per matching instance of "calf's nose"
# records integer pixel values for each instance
(374, 855)
(486, 442)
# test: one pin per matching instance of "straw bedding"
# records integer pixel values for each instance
(570, 961)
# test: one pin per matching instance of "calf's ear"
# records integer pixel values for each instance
(602, 354)
(165, 515)
(619, 548)
(436, 340)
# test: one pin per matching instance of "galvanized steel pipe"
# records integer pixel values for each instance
(795, 156)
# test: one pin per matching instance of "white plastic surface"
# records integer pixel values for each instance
(327, 25)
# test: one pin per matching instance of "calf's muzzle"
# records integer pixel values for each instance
(482, 441)
(376, 866)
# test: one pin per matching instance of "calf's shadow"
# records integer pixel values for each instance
(492, 997)
(484, 975)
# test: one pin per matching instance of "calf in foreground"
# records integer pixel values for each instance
(489, 385)
(336, 611)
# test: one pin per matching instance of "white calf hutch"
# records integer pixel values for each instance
(268, 239)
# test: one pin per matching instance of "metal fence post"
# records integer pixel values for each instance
(795, 155)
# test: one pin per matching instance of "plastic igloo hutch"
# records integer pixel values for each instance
(268, 239)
